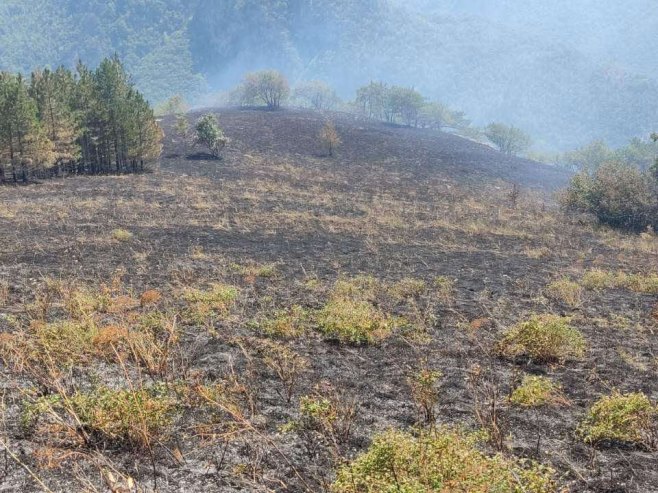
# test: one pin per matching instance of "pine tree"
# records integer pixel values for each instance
(53, 92)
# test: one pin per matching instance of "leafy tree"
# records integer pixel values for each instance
(316, 94)
(589, 157)
(210, 134)
(183, 128)
(175, 105)
(371, 100)
(404, 104)
(267, 87)
(509, 140)
(329, 137)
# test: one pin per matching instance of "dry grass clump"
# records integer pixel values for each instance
(122, 235)
(286, 324)
(205, 305)
(351, 316)
(443, 459)
(424, 391)
(627, 418)
(137, 418)
(408, 288)
(566, 291)
(537, 391)
(445, 288)
(545, 339)
(598, 279)
(253, 271)
(354, 321)
(61, 345)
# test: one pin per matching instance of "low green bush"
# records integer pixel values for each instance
(440, 460)
(630, 418)
(545, 339)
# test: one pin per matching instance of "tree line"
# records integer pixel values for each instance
(62, 122)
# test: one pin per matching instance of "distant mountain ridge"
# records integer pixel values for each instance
(477, 56)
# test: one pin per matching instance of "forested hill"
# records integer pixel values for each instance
(490, 68)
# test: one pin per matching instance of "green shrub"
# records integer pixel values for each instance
(546, 338)
(440, 460)
(598, 279)
(351, 315)
(286, 324)
(537, 392)
(618, 195)
(630, 418)
(566, 291)
(210, 134)
(135, 417)
(354, 321)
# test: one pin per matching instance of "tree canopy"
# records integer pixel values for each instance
(87, 121)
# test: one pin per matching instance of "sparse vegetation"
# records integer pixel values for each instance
(210, 135)
(627, 418)
(439, 460)
(273, 314)
(537, 391)
(618, 195)
(545, 339)
(509, 140)
(329, 138)
(566, 291)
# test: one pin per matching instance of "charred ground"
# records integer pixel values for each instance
(282, 222)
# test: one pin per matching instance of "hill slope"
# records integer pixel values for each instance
(422, 154)
(178, 328)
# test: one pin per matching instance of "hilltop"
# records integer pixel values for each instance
(418, 154)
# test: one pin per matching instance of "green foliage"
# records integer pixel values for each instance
(89, 122)
(509, 140)
(286, 324)
(353, 321)
(630, 418)
(268, 87)
(316, 94)
(210, 134)
(351, 316)
(618, 195)
(439, 116)
(566, 291)
(537, 392)
(392, 104)
(439, 460)
(589, 157)
(545, 339)
(136, 417)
